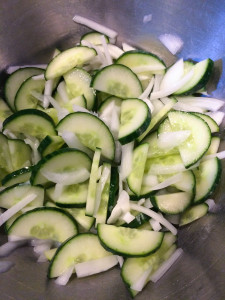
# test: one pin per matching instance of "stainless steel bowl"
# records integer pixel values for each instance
(29, 32)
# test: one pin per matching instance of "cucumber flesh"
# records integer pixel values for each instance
(193, 213)
(18, 176)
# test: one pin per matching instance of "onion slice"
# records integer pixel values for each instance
(169, 140)
(126, 160)
(9, 247)
(65, 277)
(140, 283)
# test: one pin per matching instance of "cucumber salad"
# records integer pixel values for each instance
(105, 153)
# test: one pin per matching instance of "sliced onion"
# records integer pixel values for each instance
(34, 143)
(148, 203)
(206, 103)
(172, 42)
(12, 69)
(91, 267)
(9, 247)
(16, 208)
(220, 155)
(59, 187)
(173, 74)
(5, 266)
(106, 50)
(62, 112)
(37, 95)
(61, 89)
(176, 86)
(65, 277)
(128, 217)
(166, 265)
(68, 178)
(158, 80)
(122, 206)
(101, 56)
(147, 91)
(140, 283)
(95, 26)
(38, 77)
(141, 201)
(126, 160)
(120, 260)
(211, 204)
(155, 216)
(114, 51)
(187, 107)
(150, 180)
(126, 47)
(169, 140)
(115, 123)
(155, 225)
(217, 116)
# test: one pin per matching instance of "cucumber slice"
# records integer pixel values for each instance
(13, 194)
(5, 110)
(94, 38)
(44, 223)
(191, 150)
(211, 123)
(79, 215)
(91, 196)
(158, 117)
(5, 158)
(135, 118)
(74, 195)
(50, 144)
(15, 80)
(67, 60)
(91, 132)
(214, 146)
(142, 59)
(193, 213)
(24, 98)
(202, 73)
(20, 154)
(113, 190)
(78, 83)
(81, 248)
(63, 163)
(79, 100)
(128, 241)
(30, 122)
(18, 176)
(134, 179)
(51, 112)
(172, 204)
(133, 268)
(117, 80)
(207, 178)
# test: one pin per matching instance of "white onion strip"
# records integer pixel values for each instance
(106, 50)
(217, 116)
(188, 107)
(128, 217)
(62, 112)
(93, 25)
(167, 182)
(126, 47)
(206, 103)
(122, 206)
(16, 208)
(120, 260)
(38, 77)
(9, 247)
(220, 155)
(148, 89)
(65, 277)
(166, 265)
(12, 69)
(169, 140)
(211, 204)
(140, 283)
(155, 216)
(172, 42)
(155, 225)
(176, 86)
(126, 160)
(173, 74)
(61, 89)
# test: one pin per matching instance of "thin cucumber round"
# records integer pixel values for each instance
(50, 144)
(18, 176)
(128, 241)
(94, 38)
(5, 110)
(207, 178)
(91, 132)
(81, 248)
(202, 73)
(15, 80)
(32, 122)
(20, 153)
(193, 213)
(5, 158)
(197, 144)
(117, 80)
(44, 223)
(64, 163)
(67, 60)
(211, 123)
(78, 84)
(135, 118)
(74, 195)
(150, 62)
(24, 98)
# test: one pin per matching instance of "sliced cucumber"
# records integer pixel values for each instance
(13, 194)
(15, 80)
(141, 59)
(74, 195)
(211, 123)
(117, 80)
(63, 165)
(78, 84)
(113, 190)
(5, 110)
(67, 60)
(5, 158)
(30, 122)
(191, 150)
(193, 213)
(81, 248)
(44, 223)
(134, 179)
(50, 144)
(79, 215)
(51, 112)
(128, 241)
(18, 176)
(207, 177)
(158, 117)
(135, 118)
(94, 38)
(91, 196)
(91, 132)
(174, 203)
(202, 72)
(214, 146)
(24, 98)
(20, 154)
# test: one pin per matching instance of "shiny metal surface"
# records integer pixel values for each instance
(29, 32)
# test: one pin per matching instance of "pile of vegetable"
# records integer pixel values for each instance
(105, 153)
